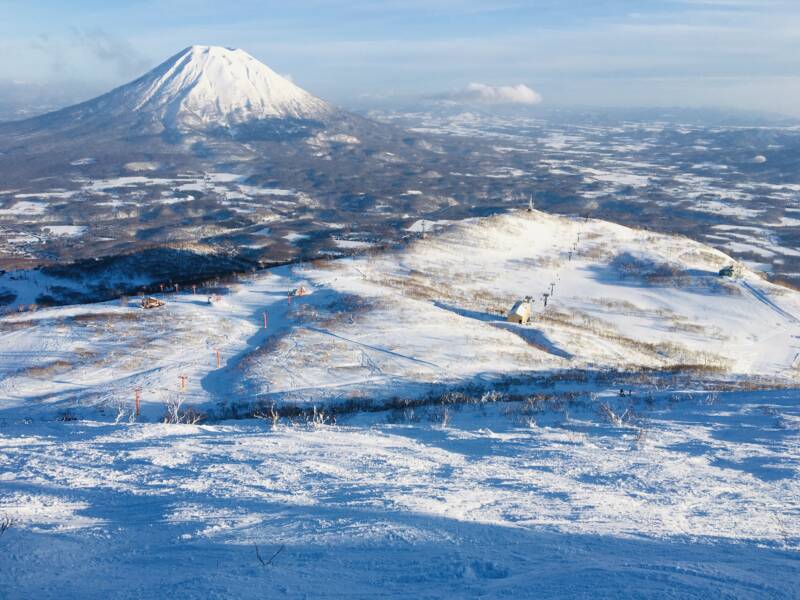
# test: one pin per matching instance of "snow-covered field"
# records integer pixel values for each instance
(558, 484)
(698, 499)
(633, 170)
(127, 194)
(404, 322)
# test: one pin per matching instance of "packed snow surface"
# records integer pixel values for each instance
(501, 502)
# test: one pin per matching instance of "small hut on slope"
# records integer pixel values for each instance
(521, 312)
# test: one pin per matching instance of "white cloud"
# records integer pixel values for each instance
(504, 94)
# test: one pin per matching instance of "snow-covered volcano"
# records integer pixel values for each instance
(200, 88)
(214, 86)
(206, 104)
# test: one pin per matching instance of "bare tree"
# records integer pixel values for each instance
(173, 407)
(265, 563)
(445, 417)
(613, 418)
(176, 414)
(273, 415)
(6, 523)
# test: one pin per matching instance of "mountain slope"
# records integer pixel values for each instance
(212, 86)
(426, 317)
(202, 88)
(205, 111)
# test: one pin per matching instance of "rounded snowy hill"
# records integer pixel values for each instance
(429, 316)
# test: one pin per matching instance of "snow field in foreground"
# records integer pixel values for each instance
(503, 500)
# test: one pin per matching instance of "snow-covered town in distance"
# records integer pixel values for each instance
(464, 345)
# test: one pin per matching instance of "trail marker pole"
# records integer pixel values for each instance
(219, 359)
(265, 319)
(138, 399)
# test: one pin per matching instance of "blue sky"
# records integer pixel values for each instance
(734, 53)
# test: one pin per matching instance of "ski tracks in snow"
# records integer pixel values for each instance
(762, 297)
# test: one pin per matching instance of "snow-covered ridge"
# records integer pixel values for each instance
(205, 86)
(431, 314)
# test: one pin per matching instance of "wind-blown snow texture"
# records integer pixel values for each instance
(498, 504)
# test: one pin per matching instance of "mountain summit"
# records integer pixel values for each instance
(205, 105)
(211, 86)
(202, 88)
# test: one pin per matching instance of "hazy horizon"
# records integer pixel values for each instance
(729, 54)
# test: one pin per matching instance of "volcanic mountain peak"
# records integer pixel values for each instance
(214, 86)
(204, 103)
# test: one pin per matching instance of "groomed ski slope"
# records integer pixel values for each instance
(409, 320)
